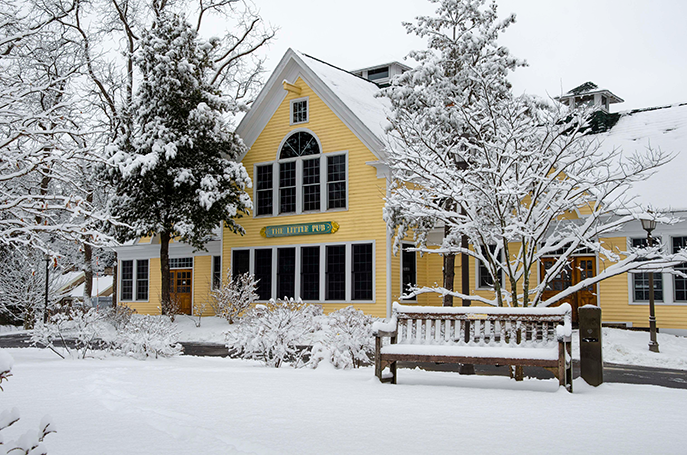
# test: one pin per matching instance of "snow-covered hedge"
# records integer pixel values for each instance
(148, 336)
(289, 331)
(75, 331)
(276, 333)
(348, 338)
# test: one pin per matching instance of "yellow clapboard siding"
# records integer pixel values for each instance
(362, 221)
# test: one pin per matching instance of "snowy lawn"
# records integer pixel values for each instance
(192, 405)
(628, 347)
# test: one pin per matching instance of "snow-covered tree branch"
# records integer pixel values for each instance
(515, 175)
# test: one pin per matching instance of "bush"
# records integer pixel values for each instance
(114, 330)
(235, 296)
(276, 333)
(82, 327)
(148, 336)
(348, 338)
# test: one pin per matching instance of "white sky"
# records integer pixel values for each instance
(635, 48)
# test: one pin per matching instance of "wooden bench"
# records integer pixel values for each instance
(476, 335)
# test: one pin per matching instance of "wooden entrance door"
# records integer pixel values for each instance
(577, 269)
(181, 289)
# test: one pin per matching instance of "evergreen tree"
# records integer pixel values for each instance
(176, 175)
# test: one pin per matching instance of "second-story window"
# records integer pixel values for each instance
(302, 179)
(299, 111)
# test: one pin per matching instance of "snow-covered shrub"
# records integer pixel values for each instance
(235, 296)
(348, 338)
(82, 327)
(148, 336)
(119, 316)
(276, 333)
(31, 442)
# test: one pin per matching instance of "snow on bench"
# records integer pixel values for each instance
(476, 335)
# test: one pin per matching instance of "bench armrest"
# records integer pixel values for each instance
(385, 328)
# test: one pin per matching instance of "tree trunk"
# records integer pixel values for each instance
(449, 276)
(88, 275)
(166, 298)
(115, 269)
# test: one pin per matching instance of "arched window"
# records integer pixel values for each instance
(296, 182)
(299, 144)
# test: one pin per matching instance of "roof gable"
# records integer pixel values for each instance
(351, 98)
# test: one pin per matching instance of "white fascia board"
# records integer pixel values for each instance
(290, 68)
(176, 250)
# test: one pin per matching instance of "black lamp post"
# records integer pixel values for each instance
(649, 225)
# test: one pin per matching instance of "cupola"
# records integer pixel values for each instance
(589, 95)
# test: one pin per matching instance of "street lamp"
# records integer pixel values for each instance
(649, 225)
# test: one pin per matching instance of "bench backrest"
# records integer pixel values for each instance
(521, 327)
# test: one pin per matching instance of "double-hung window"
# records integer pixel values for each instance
(301, 180)
(409, 267)
(640, 281)
(299, 111)
(316, 273)
(134, 280)
(680, 282)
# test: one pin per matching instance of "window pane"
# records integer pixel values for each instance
(263, 273)
(409, 269)
(680, 283)
(311, 184)
(142, 279)
(286, 272)
(181, 263)
(299, 144)
(310, 273)
(335, 274)
(336, 181)
(216, 272)
(640, 281)
(240, 262)
(300, 111)
(127, 280)
(362, 272)
(287, 187)
(264, 190)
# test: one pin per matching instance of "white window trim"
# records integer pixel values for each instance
(323, 252)
(667, 278)
(324, 194)
(307, 111)
(403, 246)
(192, 258)
(134, 280)
(212, 272)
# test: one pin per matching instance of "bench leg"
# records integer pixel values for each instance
(565, 373)
(392, 368)
(378, 357)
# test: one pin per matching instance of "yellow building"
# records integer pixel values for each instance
(316, 157)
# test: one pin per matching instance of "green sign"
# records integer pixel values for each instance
(288, 230)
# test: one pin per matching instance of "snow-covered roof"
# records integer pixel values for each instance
(590, 88)
(350, 97)
(102, 285)
(357, 93)
(665, 129)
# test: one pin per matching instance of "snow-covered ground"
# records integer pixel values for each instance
(619, 346)
(193, 405)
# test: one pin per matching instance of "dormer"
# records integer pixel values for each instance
(381, 74)
(589, 95)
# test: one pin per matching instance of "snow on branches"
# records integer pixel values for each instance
(43, 145)
(515, 175)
